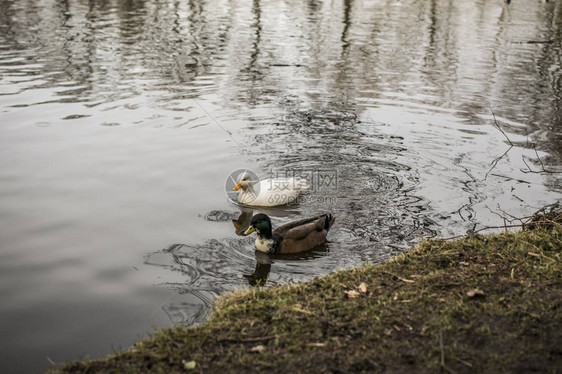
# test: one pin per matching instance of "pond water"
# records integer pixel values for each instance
(120, 122)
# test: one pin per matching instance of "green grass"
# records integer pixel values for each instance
(481, 303)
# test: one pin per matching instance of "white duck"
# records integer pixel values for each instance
(269, 192)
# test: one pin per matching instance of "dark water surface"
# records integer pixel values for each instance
(121, 120)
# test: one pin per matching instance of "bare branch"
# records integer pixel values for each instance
(556, 153)
(499, 128)
(537, 171)
(495, 162)
(526, 221)
(537, 154)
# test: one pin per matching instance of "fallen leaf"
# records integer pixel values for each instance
(257, 349)
(362, 288)
(352, 294)
(188, 365)
(475, 292)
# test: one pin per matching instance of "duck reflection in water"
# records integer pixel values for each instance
(243, 221)
(261, 272)
(264, 261)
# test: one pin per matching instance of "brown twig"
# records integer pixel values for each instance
(248, 339)
(466, 363)
(394, 276)
(441, 347)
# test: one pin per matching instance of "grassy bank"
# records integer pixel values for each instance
(481, 303)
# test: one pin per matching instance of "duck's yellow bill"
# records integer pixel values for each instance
(237, 187)
(250, 230)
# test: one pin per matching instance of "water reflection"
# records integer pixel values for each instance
(176, 47)
(242, 223)
(264, 261)
(261, 272)
(241, 218)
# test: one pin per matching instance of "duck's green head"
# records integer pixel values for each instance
(260, 223)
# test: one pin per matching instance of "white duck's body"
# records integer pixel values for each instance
(269, 192)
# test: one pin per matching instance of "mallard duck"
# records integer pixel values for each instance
(269, 192)
(292, 237)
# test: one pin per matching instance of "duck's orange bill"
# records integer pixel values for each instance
(237, 187)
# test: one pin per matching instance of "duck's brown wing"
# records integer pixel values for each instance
(300, 229)
(310, 241)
